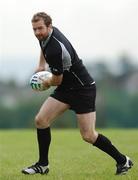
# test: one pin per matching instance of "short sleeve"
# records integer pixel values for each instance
(55, 64)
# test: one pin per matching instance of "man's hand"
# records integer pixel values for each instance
(46, 83)
(52, 81)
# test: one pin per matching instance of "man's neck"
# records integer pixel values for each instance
(46, 40)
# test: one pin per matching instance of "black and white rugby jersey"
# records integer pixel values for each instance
(63, 59)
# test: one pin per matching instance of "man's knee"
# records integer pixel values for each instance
(41, 122)
(90, 137)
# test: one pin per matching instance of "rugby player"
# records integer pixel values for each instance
(76, 90)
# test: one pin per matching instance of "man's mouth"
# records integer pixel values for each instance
(39, 37)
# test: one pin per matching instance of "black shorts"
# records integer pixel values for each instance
(80, 100)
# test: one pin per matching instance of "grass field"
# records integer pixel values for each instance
(70, 157)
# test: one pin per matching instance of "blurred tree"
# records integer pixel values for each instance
(126, 66)
(116, 107)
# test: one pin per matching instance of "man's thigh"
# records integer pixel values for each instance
(51, 109)
(87, 122)
(87, 126)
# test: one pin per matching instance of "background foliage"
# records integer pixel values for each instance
(117, 98)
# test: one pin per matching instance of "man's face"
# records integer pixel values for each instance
(41, 31)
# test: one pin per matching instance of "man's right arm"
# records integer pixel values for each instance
(42, 63)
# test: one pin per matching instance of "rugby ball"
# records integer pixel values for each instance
(36, 82)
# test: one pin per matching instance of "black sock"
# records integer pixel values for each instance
(105, 145)
(44, 139)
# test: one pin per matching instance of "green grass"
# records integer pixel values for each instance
(70, 157)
